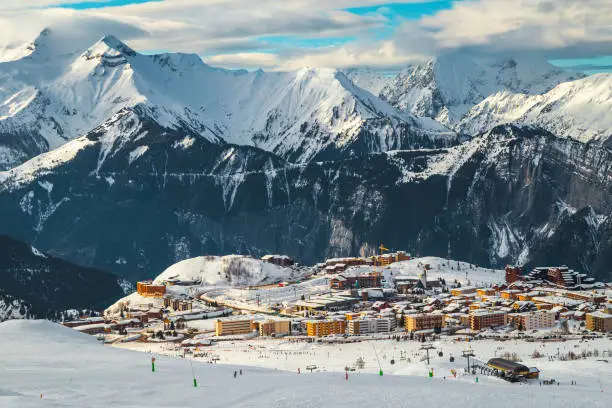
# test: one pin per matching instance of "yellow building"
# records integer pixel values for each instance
(148, 289)
(599, 321)
(510, 294)
(463, 291)
(482, 292)
(318, 328)
(272, 327)
(229, 327)
(423, 321)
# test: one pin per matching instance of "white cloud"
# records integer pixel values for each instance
(229, 32)
(245, 60)
(555, 27)
(17, 27)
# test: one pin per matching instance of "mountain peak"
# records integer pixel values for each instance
(117, 45)
(43, 40)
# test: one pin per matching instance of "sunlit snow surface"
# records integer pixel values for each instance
(69, 369)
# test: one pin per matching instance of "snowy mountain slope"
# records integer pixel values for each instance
(578, 109)
(230, 270)
(71, 369)
(35, 284)
(496, 199)
(52, 95)
(368, 79)
(449, 270)
(447, 87)
(523, 188)
(234, 199)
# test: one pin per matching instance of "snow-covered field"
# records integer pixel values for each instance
(408, 358)
(449, 270)
(69, 369)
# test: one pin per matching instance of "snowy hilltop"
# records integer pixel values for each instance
(230, 270)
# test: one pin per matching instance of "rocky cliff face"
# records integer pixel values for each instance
(526, 195)
(151, 159)
(134, 197)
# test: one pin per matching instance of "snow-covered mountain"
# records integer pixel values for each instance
(578, 109)
(137, 162)
(504, 197)
(35, 284)
(447, 87)
(371, 80)
(230, 270)
(53, 94)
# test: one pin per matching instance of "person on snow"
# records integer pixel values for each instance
(235, 373)
(241, 371)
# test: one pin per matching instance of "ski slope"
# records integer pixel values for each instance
(229, 270)
(449, 270)
(69, 369)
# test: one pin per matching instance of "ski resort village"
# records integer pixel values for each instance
(385, 314)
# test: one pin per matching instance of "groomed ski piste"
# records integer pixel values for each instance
(47, 365)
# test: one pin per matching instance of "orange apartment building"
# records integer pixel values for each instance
(318, 328)
(481, 319)
(482, 292)
(148, 289)
(599, 321)
(368, 280)
(463, 291)
(510, 294)
(423, 321)
(387, 259)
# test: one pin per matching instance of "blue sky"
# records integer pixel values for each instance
(285, 34)
(88, 5)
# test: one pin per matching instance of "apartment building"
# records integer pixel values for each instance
(466, 290)
(274, 327)
(599, 321)
(318, 328)
(230, 327)
(148, 289)
(371, 326)
(533, 320)
(481, 319)
(423, 321)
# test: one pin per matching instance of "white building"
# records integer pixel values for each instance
(537, 320)
(371, 325)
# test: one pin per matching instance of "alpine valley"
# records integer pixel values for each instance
(129, 162)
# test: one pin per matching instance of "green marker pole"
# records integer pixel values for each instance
(153, 364)
(195, 382)
(380, 373)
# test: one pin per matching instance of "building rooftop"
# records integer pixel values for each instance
(601, 315)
